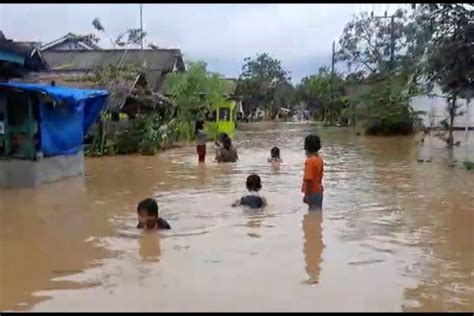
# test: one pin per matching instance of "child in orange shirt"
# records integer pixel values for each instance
(313, 173)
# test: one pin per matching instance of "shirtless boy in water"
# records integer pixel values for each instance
(148, 219)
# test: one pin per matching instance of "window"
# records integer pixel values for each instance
(224, 114)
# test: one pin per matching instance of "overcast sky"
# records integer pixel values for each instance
(300, 35)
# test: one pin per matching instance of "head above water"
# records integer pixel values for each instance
(275, 152)
(254, 183)
(199, 125)
(147, 211)
(223, 137)
(312, 144)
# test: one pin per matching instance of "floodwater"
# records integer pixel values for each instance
(395, 234)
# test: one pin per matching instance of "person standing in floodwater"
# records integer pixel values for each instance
(313, 173)
(201, 140)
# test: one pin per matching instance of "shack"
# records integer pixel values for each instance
(129, 96)
(19, 58)
(42, 128)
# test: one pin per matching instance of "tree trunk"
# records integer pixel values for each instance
(452, 115)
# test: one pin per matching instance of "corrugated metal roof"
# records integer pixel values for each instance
(119, 89)
(69, 37)
(152, 59)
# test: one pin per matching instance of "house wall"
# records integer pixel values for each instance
(28, 173)
(438, 106)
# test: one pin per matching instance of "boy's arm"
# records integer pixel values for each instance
(307, 187)
(308, 177)
(236, 203)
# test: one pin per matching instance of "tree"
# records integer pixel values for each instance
(260, 81)
(373, 44)
(196, 90)
(195, 93)
(448, 62)
(324, 92)
(131, 37)
(384, 108)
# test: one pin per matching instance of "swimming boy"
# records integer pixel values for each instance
(147, 211)
(227, 153)
(313, 173)
(275, 159)
(253, 199)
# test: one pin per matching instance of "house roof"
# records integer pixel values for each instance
(68, 37)
(21, 48)
(89, 60)
(25, 55)
(119, 89)
(65, 94)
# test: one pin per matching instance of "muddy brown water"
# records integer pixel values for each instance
(395, 234)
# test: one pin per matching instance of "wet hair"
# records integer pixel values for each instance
(199, 125)
(312, 144)
(275, 152)
(227, 143)
(254, 182)
(223, 137)
(149, 205)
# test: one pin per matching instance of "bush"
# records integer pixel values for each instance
(385, 110)
(469, 165)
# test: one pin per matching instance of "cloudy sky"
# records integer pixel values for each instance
(300, 35)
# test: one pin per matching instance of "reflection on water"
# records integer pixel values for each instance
(313, 245)
(150, 248)
(45, 235)
(390, 222)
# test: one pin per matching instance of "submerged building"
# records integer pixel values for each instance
(42, 129)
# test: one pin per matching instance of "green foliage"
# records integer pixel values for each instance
(384, 109)
(98, 25)
(131, 37)
(375, 44)
(448, 61)
(324, 92)
(469, 165)
(145, 135)
(264, 81)
(212, 130)
(196, 90)
(450, 50)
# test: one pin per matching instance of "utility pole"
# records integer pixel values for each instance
(141, 24)
(392, 35)
(392, 41)
(333, 61)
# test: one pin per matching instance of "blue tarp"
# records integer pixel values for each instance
(62, 128)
